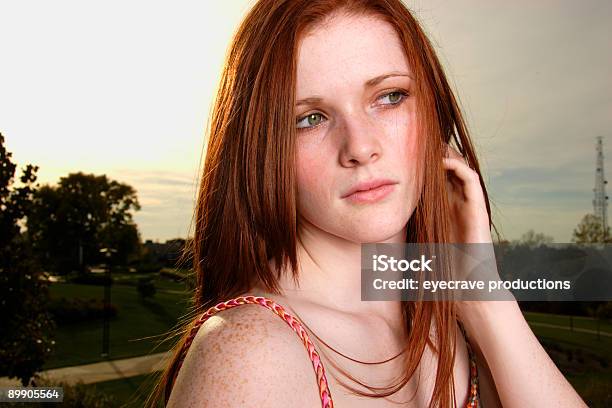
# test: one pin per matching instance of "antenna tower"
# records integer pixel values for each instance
(600, 201)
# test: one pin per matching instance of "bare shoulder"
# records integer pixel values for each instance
(246, 356)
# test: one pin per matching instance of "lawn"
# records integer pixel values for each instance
(585, 360)
(563, 320)
(586, 341)
(596, 390)
(130, 331)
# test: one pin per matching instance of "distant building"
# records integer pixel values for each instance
(166, 253)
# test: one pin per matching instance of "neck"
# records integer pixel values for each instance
(330, 274)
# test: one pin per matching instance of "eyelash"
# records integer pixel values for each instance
(402, 93)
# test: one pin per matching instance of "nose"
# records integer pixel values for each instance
(360, 142)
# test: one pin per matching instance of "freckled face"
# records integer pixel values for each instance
(357, 124)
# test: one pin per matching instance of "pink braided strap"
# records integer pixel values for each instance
(324, 393)
(474, 392)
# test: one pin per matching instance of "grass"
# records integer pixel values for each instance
(563, 320)
(585, 360)
(136, 320)
(596, 390)
(586, 341)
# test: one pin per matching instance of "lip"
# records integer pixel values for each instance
(370, 191)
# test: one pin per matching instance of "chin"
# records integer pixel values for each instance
(381, 231)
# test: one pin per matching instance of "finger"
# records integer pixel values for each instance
(468, 177)
(453, 153)
(461, 170)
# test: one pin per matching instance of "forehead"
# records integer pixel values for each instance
(347, 50)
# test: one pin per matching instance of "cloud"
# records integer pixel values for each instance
(534, 80)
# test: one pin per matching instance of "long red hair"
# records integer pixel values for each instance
(246, 210)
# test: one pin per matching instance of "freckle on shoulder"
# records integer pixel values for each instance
(247, 353)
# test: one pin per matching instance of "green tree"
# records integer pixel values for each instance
(72, 221)
(25, 327)
(590, 231)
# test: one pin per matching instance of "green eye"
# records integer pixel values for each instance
(394, 97)
(311, 120)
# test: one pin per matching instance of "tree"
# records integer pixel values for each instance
(72, 221)
(590, 230)
(533, 239)
(25, 326)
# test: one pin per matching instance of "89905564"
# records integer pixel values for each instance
(31, 394)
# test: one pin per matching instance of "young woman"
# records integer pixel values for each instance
(332, 127)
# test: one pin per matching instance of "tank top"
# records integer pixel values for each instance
(317, 364)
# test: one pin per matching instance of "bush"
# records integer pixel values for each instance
(76, 310)
(146, 287)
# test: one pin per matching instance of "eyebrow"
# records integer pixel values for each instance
(380, 78)
(368, 84)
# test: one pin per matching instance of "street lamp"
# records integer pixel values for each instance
(108, 254)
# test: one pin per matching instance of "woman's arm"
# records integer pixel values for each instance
(524, 374)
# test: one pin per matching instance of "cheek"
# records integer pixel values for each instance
(311, 175)
(402, 138)
(411, 147)
(411, 154)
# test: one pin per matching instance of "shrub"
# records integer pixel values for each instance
(76, 310)
(146, 287)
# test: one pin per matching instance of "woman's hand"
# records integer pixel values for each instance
(489, 322)
(474, 258)
(470, 220)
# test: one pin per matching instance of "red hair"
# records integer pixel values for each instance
(246, 210)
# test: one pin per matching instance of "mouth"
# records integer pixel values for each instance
(370, 191)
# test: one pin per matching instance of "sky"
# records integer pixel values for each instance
(124, 88)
